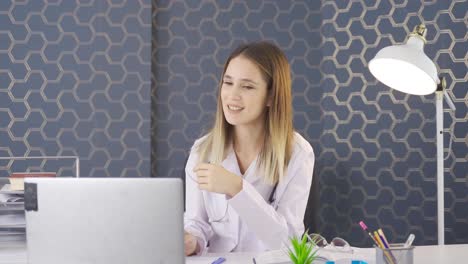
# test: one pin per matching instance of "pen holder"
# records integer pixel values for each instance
(396, 254)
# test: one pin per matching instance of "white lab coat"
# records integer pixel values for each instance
(247, 222)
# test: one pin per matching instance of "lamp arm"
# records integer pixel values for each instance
(449, 101)
(442, 87)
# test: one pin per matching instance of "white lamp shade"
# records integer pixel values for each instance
(406, 68)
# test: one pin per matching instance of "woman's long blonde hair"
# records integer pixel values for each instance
(277, 146)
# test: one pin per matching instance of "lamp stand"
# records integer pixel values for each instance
(440, 166)
(441, 93)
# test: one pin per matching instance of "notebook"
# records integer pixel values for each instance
(104, 220)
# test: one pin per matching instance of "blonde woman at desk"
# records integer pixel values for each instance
(248, 179)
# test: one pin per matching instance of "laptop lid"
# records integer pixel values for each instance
(104, 220)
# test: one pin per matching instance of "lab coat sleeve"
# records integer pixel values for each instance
(195, 217)
(274, 227)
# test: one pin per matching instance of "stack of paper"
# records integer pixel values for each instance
(12, 219)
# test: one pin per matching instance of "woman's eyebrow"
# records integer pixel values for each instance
(248, 80)
(244, 79)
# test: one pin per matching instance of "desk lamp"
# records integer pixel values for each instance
(407, 69)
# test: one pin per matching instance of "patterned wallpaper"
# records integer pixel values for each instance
(75, 80)
(375, 147)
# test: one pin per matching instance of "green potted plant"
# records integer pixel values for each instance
(302, 250)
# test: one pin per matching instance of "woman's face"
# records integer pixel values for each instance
(244, 93)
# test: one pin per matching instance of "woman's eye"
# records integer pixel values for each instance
(227, 83)
(247, 87)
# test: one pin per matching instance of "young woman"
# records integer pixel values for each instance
(248, 179)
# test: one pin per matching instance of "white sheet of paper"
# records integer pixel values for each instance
(7, 190)
(12, 220)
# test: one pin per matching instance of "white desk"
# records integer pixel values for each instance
(441, 254)
(423, 255)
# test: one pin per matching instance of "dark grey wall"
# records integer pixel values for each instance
(375, 147)
(75, 80)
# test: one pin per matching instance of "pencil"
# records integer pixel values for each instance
(364, 227)
(382, 246)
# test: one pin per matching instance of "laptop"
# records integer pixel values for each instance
(104, 220)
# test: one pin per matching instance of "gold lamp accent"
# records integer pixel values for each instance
(420, 32)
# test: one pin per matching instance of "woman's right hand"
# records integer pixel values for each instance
(190, 244)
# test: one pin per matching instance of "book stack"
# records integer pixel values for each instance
(12, 218)
(17, 178)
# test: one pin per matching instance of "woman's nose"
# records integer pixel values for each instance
(235, 92)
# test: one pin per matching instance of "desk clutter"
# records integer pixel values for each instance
(387, 253)
(327, 255)
(338, 251)
(12, 219)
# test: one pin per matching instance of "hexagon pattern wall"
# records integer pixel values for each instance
(75, 80)
(375, 147)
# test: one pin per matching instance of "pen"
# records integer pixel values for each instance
(409, 241)
(364, 227)
(218, 261)
(384, 243)
(379, 241)
(383, 238)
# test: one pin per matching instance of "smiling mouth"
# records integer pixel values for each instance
(234, 108)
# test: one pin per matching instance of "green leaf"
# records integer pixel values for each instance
(302, 251)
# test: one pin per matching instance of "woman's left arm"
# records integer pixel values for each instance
(275, 225)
